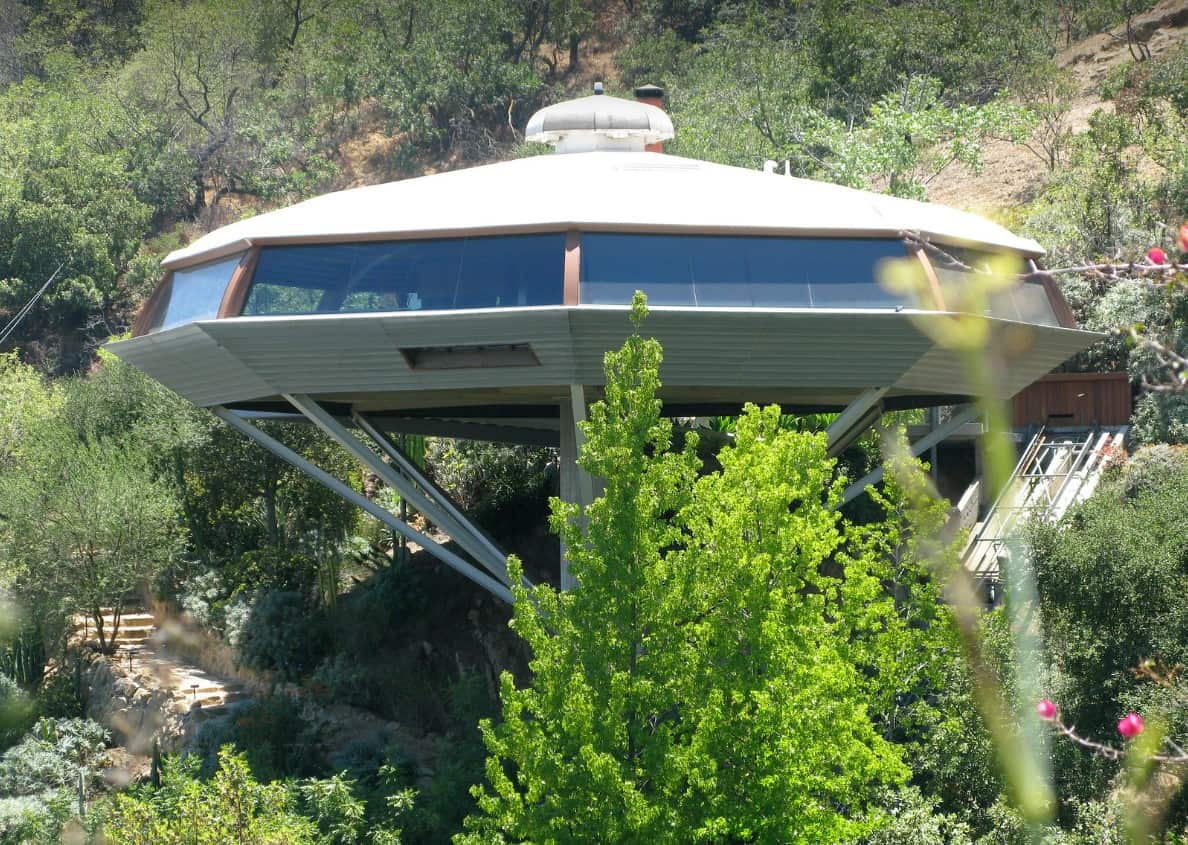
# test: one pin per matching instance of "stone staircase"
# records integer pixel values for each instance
(143, 654)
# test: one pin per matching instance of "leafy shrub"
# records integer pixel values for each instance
(284, 634)
(444, 802)
(15, 712)
(232, 806)
(953, 756)
(341, 815)
(1161, 418)
(1116, 80)
(60, 696)
(378, 611)
(200, 596)
(363, 761)
(237, 614)
(504, 488)
(35, 820)
(1113, 589)
(341, 679)
(1154, 467)
(52, 756)
(916, 820)
(273, 735)
(271, 568)
(1168, 77)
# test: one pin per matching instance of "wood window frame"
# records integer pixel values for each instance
(235, 297)
(571, 291)
(149, 315)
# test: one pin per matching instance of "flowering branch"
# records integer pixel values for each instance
(1167, 357)
(1157, 263)
(1130, 726)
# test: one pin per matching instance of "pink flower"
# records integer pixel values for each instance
(1184, 237)
(1131, 725)
(1046, 710)
(1157, 256)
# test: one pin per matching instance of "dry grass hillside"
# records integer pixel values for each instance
(1012, 173)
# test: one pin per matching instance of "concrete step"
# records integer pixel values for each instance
(137, 633)
(201, 691)
(130, 617)
(137, 620)
(210, 701)
(127, 624)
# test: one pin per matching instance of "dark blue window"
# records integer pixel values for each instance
(446, 273)
(722, 270)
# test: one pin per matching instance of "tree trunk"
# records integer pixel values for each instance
(270, 517)
(97, 616)
(197, 531)
(117, 611)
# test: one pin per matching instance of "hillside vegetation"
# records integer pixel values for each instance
(745, 662)
(129, 127)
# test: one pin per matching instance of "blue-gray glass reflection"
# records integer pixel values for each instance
(719, 270)
(446, 273)
(195, 293)
(1026, 302)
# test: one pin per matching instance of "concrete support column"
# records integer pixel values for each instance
(577, 487)
(933, 425)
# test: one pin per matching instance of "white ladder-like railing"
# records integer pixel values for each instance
(1056, 471)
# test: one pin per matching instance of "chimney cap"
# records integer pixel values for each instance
(650, 91)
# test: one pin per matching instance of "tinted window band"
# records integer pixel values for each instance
(741, 271)
(412, 275)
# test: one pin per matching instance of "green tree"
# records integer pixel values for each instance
(86, 524)
(703, 682)
(751, 94)
(26, 397)
(207, 81)
(65, 199)
(1113, 581)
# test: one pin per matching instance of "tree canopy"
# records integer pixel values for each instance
(716, 674)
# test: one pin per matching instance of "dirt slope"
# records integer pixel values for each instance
(1013, 174)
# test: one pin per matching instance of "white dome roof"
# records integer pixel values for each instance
(599, 118)
(607, 191)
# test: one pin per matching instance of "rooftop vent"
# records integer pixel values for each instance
(599, 122)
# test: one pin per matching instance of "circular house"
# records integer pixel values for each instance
(479, 303)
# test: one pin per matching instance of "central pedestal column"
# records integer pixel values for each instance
(577, 487)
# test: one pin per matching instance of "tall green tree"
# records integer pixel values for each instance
(85, 524)
(66, 199)
(705, 681)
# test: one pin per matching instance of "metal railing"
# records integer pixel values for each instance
(1055, 471)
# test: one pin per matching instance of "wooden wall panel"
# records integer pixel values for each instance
(1074, 399)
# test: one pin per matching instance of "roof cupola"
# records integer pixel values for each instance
(599, 122)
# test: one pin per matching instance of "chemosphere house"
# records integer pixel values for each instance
(479, 304)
